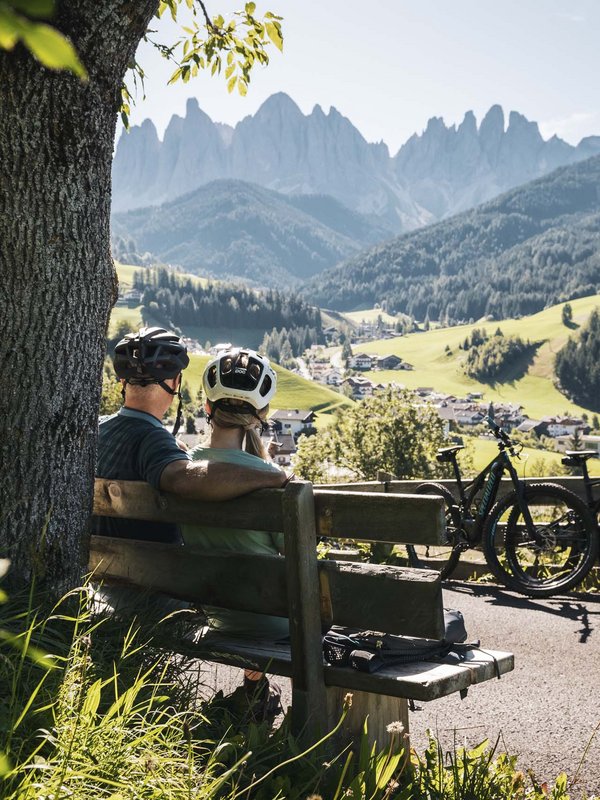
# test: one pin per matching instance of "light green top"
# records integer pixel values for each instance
(231, 540)
(236, 540)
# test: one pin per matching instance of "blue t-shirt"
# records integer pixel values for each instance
(134, 446)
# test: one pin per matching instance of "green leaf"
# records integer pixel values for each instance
(4, 765)
(274, 34)
(229, 71)
(52, 49)
(231, 84)
(242, 87)
(250, 8)
(33, 653)
(480, 749)
(9, 29)
(34, 8)
(175, 76)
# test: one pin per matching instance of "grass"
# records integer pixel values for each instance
(484, 449)
(535, 391)
(121, 313)
(369, 315)
(127, 271)
(112, 716)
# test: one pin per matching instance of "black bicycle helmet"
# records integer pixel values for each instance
(150, 355)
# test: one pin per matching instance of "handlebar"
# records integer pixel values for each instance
(504, 440)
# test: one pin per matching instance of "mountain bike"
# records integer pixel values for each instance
(539, 539)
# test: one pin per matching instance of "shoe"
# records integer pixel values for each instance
(264, 699)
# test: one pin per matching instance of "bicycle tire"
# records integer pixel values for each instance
(569, 544)
(448, 558)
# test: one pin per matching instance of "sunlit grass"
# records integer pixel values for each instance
(437, 368)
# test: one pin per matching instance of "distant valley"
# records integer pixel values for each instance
(320, 208)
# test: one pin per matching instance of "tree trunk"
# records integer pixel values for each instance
(58, 283)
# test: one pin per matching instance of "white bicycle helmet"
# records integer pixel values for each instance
(240, 374)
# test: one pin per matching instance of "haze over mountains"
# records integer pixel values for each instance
(440, 172)
(534, 246)
(231, 228)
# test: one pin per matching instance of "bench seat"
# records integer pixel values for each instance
(420, 680)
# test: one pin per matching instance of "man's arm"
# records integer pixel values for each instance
(205, 480)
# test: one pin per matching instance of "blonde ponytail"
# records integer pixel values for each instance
(249, 423)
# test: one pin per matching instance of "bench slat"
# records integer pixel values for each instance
(366, 516)
(370, 596)
(422, 680)
(369, 517)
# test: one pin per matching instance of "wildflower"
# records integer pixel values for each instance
(395, 728)
(348, 700)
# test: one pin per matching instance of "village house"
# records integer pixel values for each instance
(293, 421)
(283, 456)
(332, 378)
(361, 361)
(563, 426)
(131, 298)
(388, 362)
(220, 347)
(536, 426)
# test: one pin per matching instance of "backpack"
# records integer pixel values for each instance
(368, 651)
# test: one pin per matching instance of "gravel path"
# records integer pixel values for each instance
(546, 711)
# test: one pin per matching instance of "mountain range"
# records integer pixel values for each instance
(231, 228)
(532, 247)
(435, 174)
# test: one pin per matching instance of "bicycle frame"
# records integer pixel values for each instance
(487, 481)
(589, 484)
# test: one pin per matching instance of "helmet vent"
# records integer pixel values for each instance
(266, 386)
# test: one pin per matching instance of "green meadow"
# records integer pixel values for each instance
(530, 385)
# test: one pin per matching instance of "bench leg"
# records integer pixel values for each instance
(380, 709)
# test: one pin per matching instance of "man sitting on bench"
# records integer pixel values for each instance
(133, 444)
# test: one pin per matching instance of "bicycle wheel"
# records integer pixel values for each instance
(443, 557)
(553, 558)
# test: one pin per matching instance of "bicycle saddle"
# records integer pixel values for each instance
(448, 453)
(578, 455)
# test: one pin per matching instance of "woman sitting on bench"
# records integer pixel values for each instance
(238, 385)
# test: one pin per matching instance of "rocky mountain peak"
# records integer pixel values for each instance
(439, 172)
(278, 105)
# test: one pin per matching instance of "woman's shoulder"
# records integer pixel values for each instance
(231, 456)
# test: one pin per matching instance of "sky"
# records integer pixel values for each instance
(390, 65)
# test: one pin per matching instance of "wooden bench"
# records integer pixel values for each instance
(312, 593)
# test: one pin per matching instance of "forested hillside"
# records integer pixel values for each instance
(532, 247)
(577, 365)
(232, 228)
(179, 302)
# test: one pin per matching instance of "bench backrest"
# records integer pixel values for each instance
(377, 597)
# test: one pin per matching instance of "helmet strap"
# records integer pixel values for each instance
(178, 416)
(174, 393)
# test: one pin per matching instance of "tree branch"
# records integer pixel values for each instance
(207, 19)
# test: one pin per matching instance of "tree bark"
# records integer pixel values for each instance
(58, 283)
